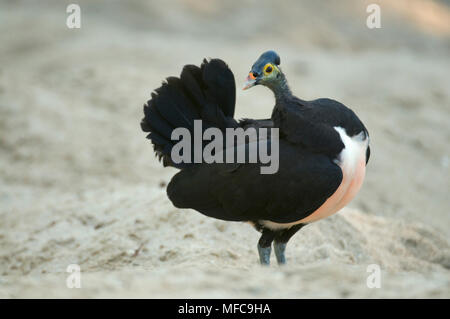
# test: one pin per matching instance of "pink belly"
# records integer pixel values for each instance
(352, 180)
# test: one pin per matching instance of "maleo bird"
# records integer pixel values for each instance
(323, 152)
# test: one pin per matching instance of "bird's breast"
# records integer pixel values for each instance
(352, 161)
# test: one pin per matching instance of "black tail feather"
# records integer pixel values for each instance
(206, 93)
(221, 86)
(157, 124)
(191, 77)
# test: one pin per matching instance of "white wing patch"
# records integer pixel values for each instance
(354, 147)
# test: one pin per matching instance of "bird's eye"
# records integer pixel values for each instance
(268, 69)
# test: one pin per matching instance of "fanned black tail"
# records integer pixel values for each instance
(206, 93)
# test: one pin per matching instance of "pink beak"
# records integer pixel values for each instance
(249, 81)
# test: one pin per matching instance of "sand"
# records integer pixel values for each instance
(79, 183)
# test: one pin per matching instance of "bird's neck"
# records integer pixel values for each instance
(280, 88)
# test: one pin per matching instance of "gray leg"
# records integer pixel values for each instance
(279, 239)
(265, 245)
(264, 255)
(279, 252)
(280, 242)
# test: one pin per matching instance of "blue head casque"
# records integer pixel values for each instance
(264, 70)
(266, 57)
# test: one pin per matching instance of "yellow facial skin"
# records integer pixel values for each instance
(268, 69)
(269, 75)
(270, 72)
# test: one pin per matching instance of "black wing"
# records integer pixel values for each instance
(311, 124)
(239, 192)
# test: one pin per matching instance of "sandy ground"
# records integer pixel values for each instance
(79, 183)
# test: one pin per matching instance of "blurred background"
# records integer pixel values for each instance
(79, 182)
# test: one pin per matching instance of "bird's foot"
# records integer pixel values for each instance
(279, 252)
(264, 255)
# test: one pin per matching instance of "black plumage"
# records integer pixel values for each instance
(309, 149)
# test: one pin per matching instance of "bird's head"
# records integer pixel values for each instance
(264, 71)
